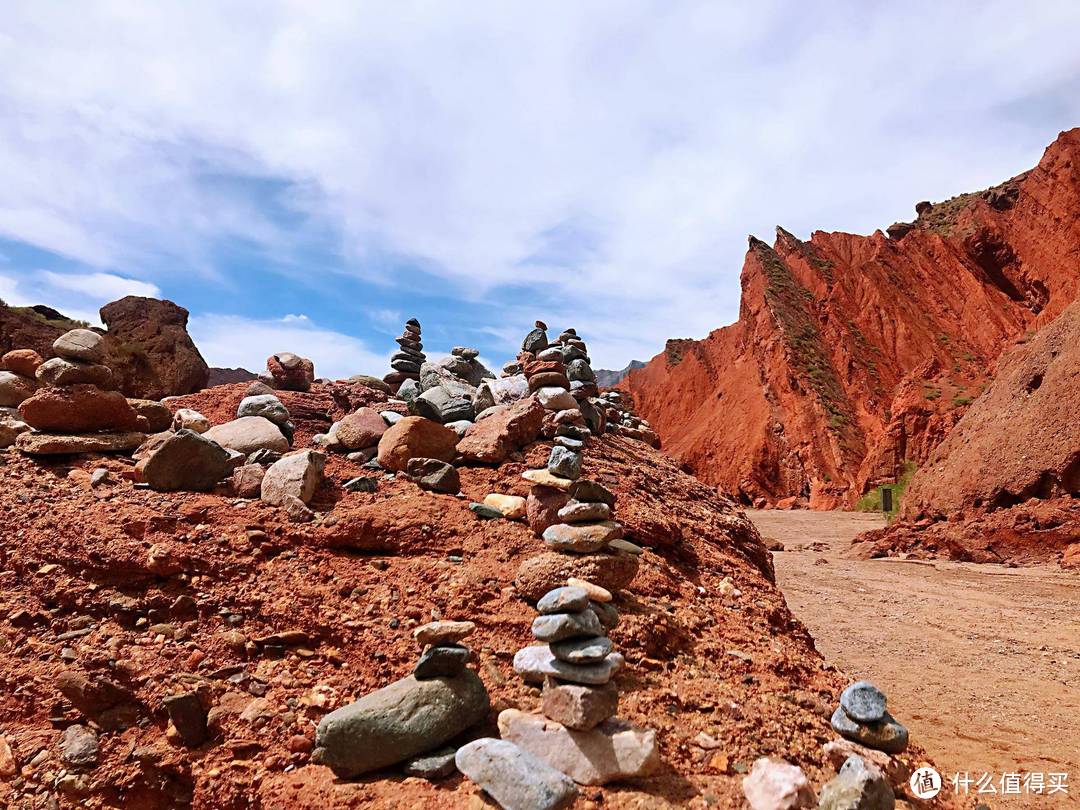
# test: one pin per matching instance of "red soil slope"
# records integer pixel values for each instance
(1005, 483)
(723, 679)
(854, 354)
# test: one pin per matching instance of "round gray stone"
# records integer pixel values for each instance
(863, 702)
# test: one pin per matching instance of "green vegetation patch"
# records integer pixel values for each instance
(871, 501)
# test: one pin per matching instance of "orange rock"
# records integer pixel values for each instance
(79, 408)
(21, 361)
(416, 437)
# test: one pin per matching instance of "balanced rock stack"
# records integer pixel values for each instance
(407, 360)
(862, 717)
(414, 716)
(18, 382)
(621, 419)
(75, 409)
(580, 736)
(447, 389)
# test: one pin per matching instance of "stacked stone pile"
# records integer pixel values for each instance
(863, 717)
(447, 389)
(578, 733)
(405, 363)
(74, 409)
(409, 721)
(621, 419)
(18, 382)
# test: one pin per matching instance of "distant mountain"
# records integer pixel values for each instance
(607, 379)
(225, 376)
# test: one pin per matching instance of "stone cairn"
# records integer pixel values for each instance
(406, 361)
(621, 419)
(72, 406)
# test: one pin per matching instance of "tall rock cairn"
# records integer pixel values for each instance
(406, 361)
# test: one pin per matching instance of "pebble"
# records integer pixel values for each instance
(860, 785)
(485, 512)
(863, 702)
(188, 717)
(559, 626)
(885, 735)
(361, 484)
(514, 778)
(442, 661)
(620, 544)
(537, 662)
(568, 599)
(442, 632)
(564, 463)
(596, 593)
(434, 766)
(79, 747)
(584, 512)
(545, 478)
(581, 537)
(582, 650)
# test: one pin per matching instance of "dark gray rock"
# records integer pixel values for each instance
(586, 490)
(536, 341)
(397, 722)
(606, 613)
(361, 484)
(579, 369)
(188, 716)
(434, 766)
(564, 463)
(514, 778)
(485, 512)
(434, 475)
(406, 366)
(79, 748)
(582, 650)
(568, 599)
(559, 626)
(863, 702)
(409, 390)
(185, 461)
(885, 735)
(442, 661)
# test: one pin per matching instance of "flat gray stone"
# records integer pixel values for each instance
(559, 626)
(434, 766)
(397, 722)
(535, 663)
(582, 538)
(863, 702)
(584, 512)
(80, 344)
(563, 600)
(514, 778)
(185, 461)
(441, 661)
(582, 650)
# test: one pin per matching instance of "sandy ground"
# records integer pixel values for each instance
(981, 662)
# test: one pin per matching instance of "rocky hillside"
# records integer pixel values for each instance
(1006, 481)
(146, 344)
(854, 355)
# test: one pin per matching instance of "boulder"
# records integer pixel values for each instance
(14, 388)
(774, 784)
(80, 344)
(612, 751)
(514, 778)
(61, 371)
(185, 461)
(267, 406)
(440, 405)
(415, 437)
(290, 372)
(79, 409)
(297, 474)
(397, 722)
(543, 572)
(361, 429)
(508, 429)
(248, 434)
(149, 349)
(158, 417)
(47, 444)
(23, 362)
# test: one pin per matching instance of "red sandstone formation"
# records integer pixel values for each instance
(854, 354)
(146, 345)
(1004, 484)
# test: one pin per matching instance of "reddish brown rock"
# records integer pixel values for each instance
(361, 429)
(506, 429)
(854, 354)
(80, 409)
(544, 572)
(542, 507)
(548, 379)
(290, 371)
(416, 437)
(149, 349)
(158, 417)
(21, 361)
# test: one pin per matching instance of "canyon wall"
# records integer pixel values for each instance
(856, 355)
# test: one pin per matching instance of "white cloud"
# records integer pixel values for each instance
(231, 341)
(103, 286)
(616, 153)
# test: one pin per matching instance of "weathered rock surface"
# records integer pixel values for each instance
(514, 778)
(543, 572)
(15, 388)
(612, 751)
(248, 434)
(397, 722)
(415, 437)
(579, 707)
(509, 428)
(184, 461)
(46, 444)
(79, 409)
(61, 371)
(855, 353)
(361, 429)
(860, 785)
(297, 474)
(537, 662)
(774, 784)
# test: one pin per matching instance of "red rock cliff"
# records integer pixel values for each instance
(854, 354)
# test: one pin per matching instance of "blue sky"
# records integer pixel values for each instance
(307, 176)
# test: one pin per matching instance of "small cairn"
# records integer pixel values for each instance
(863, 718)
(578, 733)
(621, 419)
(289, 372)
(75, 409)
(406, 361)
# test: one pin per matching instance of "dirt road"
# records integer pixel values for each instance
(981, 662)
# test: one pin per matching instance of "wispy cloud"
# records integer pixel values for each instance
(600, 163)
